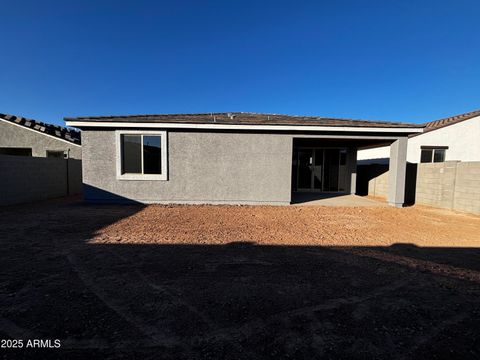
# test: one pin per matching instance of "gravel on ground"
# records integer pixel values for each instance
(239, 282)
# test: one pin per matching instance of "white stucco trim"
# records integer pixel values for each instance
(161, 177)
(81, 124)
(39, 132)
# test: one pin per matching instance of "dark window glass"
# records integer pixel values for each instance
(305, 169)
(439, 155)
(343, 157)
(55, 154)
(331, 169)
(426, 156)
(317, 169)
(131, 154)
(318, 157)
(152, 154)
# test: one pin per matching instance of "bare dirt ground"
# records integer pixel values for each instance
(238, 282)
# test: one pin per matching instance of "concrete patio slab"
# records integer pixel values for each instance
(317, 199)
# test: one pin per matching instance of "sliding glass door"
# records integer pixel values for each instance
(319, 170)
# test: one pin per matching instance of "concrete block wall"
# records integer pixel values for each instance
(467, 187)
(436, 184)
(27, 179)
(451, 185)
(378, 186)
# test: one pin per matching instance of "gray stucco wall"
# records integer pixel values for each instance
(203, 167)
(26, 179)
(17, 136)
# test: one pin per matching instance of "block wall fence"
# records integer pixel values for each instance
(451, 185)
(25, 179)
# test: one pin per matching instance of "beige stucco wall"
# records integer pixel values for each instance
(12, 135)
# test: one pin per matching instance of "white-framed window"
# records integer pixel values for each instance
(141, 155)
(433, 154)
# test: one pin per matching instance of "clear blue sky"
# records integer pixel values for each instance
(388, 60)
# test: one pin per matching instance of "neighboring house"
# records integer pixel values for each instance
(26, 137)
(452, 138)
(235, 158)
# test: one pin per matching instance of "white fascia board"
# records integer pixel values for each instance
(39, 132)
(81, 124)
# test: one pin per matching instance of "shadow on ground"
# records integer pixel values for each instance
(234, 301)
(306, 197)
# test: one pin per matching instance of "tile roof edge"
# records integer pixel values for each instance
(450, 120)
(72, 136)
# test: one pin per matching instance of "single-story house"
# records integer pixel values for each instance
(234, 158)
(452, 138)
(26, 137)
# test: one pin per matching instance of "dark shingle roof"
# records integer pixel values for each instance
(60, 132)
(437, 124)
(243, 118)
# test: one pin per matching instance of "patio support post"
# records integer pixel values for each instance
(397, 172)
(352, 161)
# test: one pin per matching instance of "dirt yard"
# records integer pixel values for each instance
(238, 282)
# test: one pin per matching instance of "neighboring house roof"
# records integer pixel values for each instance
(438, 124)
(243, 118)
(60, 132)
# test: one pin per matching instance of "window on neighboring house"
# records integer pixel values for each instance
(15, 151)
(439, 155)
(433, 154)
(55, 154)
(141, 155)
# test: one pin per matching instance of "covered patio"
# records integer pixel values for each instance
(324, 167)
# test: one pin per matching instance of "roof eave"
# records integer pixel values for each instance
(222, 126)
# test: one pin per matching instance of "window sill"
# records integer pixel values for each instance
(142, 177)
